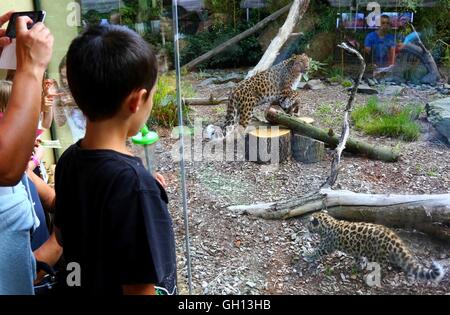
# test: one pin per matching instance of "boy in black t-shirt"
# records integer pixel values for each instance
(111, 214)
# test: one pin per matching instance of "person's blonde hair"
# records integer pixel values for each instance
(5, 93)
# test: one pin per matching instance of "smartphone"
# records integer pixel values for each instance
(36, 16)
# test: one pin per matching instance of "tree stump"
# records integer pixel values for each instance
(267, 145)
(307, 150)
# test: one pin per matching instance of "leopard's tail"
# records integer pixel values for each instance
(435, 273)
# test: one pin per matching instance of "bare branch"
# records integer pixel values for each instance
(346, 126)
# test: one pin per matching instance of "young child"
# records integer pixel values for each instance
(111, 213)
(5, 92)
(44, 246)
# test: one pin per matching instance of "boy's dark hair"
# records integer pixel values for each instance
(104, 65)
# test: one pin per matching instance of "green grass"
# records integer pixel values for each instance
(330, 114)
(388, 120)
(325, 109)
(432, 172)
(221, 110)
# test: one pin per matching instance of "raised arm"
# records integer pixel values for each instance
(18, 127)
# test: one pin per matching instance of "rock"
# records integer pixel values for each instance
(251, 284)
(393, 90)
(364, 89)
(301, 85)
(439, 115)
(371, 82)
(232, 77)
(314, 85)
(321, 46)
(230, 85)
(207, 82)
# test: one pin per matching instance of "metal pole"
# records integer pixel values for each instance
(180, 126)
(147, 159)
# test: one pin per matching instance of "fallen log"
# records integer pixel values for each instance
(354, 146)
(426, 213)
(263, 23)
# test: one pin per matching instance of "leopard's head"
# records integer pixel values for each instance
(320, 222)
(300, 64)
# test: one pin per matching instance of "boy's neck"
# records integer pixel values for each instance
(106, 135)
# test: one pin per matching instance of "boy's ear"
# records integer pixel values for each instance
(136, 99)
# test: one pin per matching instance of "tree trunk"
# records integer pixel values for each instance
(267, 145)
(296, 12)
(237, 38)
(307, 150)
(354, 146)
(427, 213)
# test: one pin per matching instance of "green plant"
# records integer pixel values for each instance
(388, 120)
(347, 83)
(328, 271)
(314, 67)
(432, 172)
(164, 112)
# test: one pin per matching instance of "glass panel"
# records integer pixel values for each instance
(236, 254)
(210, 162)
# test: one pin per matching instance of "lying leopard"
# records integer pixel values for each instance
(374, 242)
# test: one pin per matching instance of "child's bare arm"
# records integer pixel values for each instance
(161, 179)
(18, 127)
(139, 289)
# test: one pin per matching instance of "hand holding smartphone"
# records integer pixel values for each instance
(36, 16)
(8, 58)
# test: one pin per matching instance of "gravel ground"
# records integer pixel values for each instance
(235, 254)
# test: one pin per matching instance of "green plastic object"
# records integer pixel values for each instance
(145, 137)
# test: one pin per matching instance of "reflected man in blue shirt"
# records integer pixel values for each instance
(380, 45)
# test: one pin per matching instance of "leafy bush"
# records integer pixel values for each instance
(314, 67)
(246, 53)
(164, 112)
(346, 83)
(384, 120)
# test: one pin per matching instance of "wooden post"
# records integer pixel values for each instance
(267, 145)
(307, 150)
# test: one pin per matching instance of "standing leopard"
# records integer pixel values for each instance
(374, 242)
(279, 83)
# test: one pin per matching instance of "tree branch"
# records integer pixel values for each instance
(346, 126)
